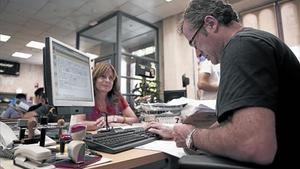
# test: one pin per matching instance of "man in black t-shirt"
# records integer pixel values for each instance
(256, 103)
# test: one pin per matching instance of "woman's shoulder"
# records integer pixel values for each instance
(121, 98)
(122, 101)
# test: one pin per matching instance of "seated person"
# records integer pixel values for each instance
(39, 99)
(108, 100)
(40, 96)
(11, 112)
(41, 108)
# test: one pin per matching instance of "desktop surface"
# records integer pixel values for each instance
(128, 159)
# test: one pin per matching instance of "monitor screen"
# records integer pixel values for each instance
(68, 78)
(143, 68)
(173, 94)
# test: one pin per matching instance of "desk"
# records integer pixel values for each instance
(131, 158)
(127, 159)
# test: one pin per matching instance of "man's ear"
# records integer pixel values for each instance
(212, 23)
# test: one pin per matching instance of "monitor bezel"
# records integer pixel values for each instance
(49, 67)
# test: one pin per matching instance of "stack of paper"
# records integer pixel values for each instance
(193, 106)
(200, 113)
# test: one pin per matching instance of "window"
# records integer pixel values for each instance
(264, 18)
(291, 28)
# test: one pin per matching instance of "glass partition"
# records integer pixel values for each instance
(100, 41)
(131, 45)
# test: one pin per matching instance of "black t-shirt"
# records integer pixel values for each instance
(258, 69)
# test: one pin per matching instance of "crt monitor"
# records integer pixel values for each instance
(68, 78)
(173, 94)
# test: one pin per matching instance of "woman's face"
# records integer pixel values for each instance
(104, 83)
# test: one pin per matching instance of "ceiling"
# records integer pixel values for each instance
(27, 20)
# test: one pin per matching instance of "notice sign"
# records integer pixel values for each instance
(9, 68)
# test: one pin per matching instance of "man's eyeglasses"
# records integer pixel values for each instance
(191, 41)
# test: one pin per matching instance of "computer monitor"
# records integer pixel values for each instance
(173, 94)
(68, 78)
(143, 68)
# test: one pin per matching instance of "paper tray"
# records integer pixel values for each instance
(161, 107)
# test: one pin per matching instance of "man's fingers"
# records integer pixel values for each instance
(154, 130)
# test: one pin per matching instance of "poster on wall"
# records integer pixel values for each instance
(9, 68)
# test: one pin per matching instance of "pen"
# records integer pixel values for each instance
(92, 152)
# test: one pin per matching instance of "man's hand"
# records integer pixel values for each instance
(158, 128)
(180, 132)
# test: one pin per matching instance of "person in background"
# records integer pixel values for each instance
(39, 96)
(256, 105)
(39, 99)
(13, 113)
(208, 80)
(41, 108)
(108, 100)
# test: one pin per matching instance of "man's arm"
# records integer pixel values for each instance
(205, 84)
(248, 136)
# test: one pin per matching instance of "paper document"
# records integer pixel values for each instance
(166, 146)
(200, 113)
(207, 106)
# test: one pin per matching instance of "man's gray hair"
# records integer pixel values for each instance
(198, 9)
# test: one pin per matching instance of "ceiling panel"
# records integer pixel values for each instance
(13, 18)
(149, 17)
(74, 22)
(70, 39)
(8, 28)
(148, 5)
(24, 8)
(98, 8)
(132, 9)
(167, 9)
(16, 44)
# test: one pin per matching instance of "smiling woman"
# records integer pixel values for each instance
(108, 101)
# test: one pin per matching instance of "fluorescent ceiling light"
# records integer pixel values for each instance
(4, 38)
(21, 55)
(168, 0)
(34, 44)
(92, 56)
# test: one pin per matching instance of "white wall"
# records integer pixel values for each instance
(178, 58)
(30, 76)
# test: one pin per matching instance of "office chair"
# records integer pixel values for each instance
(205, 161)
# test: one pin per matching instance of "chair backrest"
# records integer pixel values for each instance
(205, 161)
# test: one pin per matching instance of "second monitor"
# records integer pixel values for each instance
(173, 94)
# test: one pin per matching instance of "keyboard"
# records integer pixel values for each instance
(118, 140)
